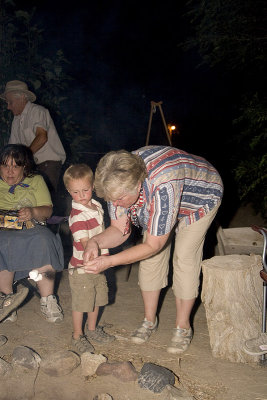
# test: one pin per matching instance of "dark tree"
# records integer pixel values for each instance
(231, 38)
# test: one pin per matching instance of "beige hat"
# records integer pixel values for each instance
(18, 87)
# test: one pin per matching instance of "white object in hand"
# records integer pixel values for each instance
(35, 275)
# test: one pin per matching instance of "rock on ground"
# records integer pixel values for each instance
(60, 363)
(90, 363)
(26, 357)
(154, 377)
(123, 370)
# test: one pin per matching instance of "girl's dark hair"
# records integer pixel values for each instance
(22, 156)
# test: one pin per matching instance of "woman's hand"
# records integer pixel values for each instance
(40, 213)
(25, 214)
(97, 265)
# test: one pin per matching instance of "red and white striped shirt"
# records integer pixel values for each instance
(84, 223)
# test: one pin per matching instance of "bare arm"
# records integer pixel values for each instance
(111, 237)
(84, 241)
(39, 141)
(150, 247)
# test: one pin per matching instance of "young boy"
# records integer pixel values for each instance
(88, 291)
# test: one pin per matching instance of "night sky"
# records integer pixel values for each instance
(123, 55)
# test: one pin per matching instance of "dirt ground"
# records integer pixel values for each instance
(197, 371)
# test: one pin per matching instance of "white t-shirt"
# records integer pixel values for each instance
(23, 131)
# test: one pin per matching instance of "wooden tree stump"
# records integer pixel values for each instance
(232, 295)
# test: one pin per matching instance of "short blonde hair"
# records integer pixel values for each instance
(118, 172)
(78, 171)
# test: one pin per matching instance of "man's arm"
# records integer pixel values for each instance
(39, 141)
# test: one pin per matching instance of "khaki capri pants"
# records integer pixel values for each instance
(187, 258)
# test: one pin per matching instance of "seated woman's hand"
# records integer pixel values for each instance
(39, 213)
(97, 265)
(25, 214)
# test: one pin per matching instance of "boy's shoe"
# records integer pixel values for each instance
(50, 309)
(180, 341)
(3, 340)
(82, 345)
(256, 346)
(11, 318)
(9, 302)
(99, 335)
(143, 333)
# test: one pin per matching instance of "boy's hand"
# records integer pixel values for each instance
(91, 251)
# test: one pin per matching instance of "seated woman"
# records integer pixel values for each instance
(34, 246)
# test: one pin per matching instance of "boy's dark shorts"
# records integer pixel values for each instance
(88, 291)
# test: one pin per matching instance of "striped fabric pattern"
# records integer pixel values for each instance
(84, 223)
(179, 186)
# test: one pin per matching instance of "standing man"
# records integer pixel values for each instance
(33, 126)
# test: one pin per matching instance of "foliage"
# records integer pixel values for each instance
(230, 37)
(78, 141)
(251, 170)
(23, 57)
(232, 33)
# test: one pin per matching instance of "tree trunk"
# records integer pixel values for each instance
(232, 294)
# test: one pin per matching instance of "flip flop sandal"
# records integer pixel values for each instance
(9, 302)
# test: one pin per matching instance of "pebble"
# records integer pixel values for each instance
(3, 340)
(103, 396)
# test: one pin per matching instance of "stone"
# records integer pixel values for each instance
(155, 378)
(90, 363)
(3, 340)
(122, 370)
(61, 363)
(25, 357)
(5, 367)
(173, 393)
(103, 396)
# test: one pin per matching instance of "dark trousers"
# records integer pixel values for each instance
(50, 170)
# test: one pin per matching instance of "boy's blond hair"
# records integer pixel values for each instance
(78, 171)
